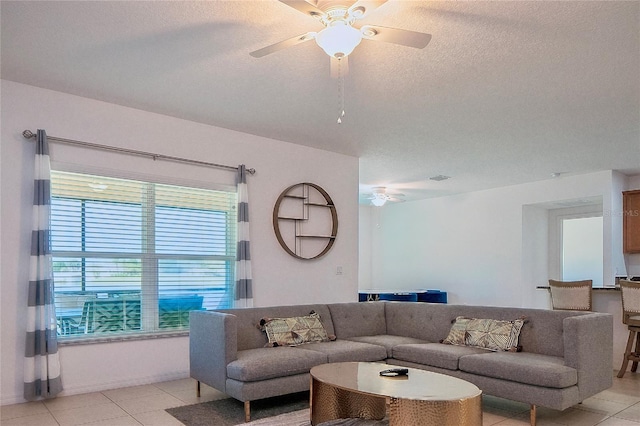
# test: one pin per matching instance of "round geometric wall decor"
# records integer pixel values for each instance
(305, 221)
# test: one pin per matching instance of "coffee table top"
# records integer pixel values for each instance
(421, 385)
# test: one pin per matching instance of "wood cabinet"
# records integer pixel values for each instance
(631, 221)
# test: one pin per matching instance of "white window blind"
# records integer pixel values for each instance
(135, 257)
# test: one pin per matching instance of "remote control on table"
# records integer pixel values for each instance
(393, 372)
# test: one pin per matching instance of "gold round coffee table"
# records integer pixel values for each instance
(356, 390)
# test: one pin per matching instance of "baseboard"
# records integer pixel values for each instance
(99, 387)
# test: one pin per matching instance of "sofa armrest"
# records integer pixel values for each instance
(212, 345)
(588, 345)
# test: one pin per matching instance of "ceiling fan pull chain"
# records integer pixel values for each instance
(340, 92)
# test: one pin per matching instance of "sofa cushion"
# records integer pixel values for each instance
(358, 319)
(294, 331)
(434, 354)
(430, 321)
(388, 341)
(267, 363)
(347, 350)
(522, 367)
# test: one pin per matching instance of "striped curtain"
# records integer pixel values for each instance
(244, 291)
(42, 365)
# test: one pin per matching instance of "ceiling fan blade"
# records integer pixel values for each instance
(282, 45)
(304, 7)
(339, 67)
(362, 8)
(396, 36)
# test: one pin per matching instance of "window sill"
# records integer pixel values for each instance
(119, 338)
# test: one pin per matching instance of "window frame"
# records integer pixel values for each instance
(150, 259)
(556, 219)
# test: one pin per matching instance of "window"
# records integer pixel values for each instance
(132, 257)
(576, 243)
(582, 249)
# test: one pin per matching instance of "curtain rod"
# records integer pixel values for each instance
(28, 134)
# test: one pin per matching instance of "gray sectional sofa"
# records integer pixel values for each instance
(566, 356)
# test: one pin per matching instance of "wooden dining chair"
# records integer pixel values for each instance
(571, 295)
(631, 318)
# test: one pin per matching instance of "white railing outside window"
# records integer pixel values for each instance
(133, 257)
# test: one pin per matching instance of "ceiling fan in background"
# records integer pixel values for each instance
(379, 196)
(341, 33)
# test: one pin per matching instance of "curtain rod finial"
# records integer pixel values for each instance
(251, 171)
(28, 134)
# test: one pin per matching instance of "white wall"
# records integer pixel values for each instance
(471, 245)
(613, 215)
(278, 278)
(364, 246)
(535, 249)
(633, 182)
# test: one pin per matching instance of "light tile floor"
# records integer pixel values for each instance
(145, 405)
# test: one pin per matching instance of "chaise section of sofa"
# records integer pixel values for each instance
(557, 366)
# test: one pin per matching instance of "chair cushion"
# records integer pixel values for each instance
(571, 295)
(434, 354)
(522, 367)
(633, 321)
(267, 363)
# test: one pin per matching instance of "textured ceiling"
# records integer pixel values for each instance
(505, 93)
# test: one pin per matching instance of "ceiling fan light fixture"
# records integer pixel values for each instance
(338, 39)
(378, 201)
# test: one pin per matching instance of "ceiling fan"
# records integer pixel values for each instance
(379, 196)
(341, 33)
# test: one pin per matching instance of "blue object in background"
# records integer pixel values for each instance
(399, 297)
(428, 296)
(433, 296)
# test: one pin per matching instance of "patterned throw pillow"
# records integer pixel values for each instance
(458, 333)
(294, 331)
(494, 335)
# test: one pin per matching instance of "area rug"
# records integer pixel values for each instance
(301, 418)
(230, 411)
(295, 418)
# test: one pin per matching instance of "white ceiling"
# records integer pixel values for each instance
(505, 93)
